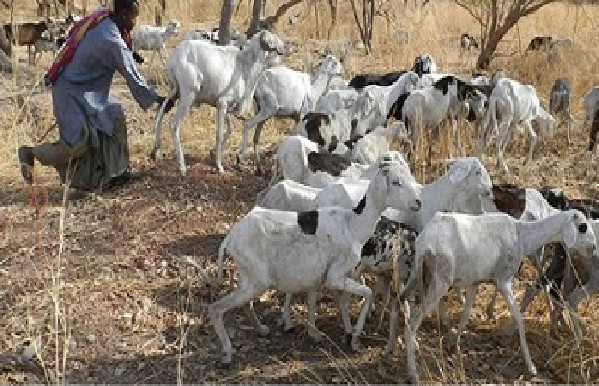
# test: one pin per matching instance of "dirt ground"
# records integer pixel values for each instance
(106, 287)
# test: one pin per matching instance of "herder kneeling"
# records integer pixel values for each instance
(93, 134)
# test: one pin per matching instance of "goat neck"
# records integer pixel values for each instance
(252, 61)
(535, 234)
(437, 196)
(369, 209)
(319, 85)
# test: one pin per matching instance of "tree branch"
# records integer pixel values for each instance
(465, 6)
(272, 20)
(357, 18)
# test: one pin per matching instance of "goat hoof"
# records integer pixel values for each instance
(259, 172)
(153, 155)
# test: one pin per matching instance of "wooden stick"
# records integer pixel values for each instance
(52, 126)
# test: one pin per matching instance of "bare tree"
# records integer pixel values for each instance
(367, 24)
(496, 18)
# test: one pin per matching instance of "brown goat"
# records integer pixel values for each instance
(25, 34)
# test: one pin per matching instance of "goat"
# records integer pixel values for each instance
(590, 102)
(283, 92)
(559, 102)
(465, 178)
(367, 149)
(539, 43)
(468, 43)
(424, 64)
(523, 204)
(293, 252)
(224, 77)
(344, 195)
(465, 250)
(373, 104)
(26, 34)
(362, 80)
(428, 107)
(514, 103)
(560, 273)
(153, 38)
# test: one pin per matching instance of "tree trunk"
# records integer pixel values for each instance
(160, 12)
(257, 11)
(333, 8)
(494, 37)
(224, 27)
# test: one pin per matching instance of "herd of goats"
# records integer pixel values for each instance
(342, 204)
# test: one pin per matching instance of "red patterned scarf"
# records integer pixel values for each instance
(75, 35)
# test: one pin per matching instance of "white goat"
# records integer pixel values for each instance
(293, 252)
(153, 38)
(223, 77)
(465, 250)
(373, 104)
(299, 159)
(514, 103)
(283, 92)
(367, 149)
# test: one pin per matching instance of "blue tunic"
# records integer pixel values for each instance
(81, 93)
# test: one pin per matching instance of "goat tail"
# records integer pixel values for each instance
(221, 256)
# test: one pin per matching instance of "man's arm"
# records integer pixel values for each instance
(123, 61)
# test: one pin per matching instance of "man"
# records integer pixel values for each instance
(93, 136)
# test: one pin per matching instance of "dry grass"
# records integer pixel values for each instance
(133, 308)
